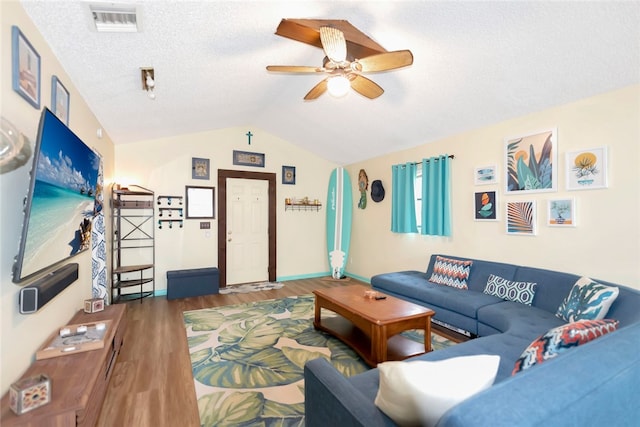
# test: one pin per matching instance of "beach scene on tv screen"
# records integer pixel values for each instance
(63, 202)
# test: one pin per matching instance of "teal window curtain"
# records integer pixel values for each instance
(403, 212)
(436, 196)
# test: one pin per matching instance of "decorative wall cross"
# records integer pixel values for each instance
(249, 135)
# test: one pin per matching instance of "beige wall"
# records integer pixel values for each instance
(23, 334)
(606, 242)
(164, 166)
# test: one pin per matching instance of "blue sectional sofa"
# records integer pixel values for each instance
(596, 383)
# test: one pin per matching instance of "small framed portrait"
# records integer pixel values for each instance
(561, 212)
(59, 100)
(25, 64)
(200, 168)
(289, 175)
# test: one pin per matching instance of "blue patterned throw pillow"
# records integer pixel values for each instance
(451, 272)
(587, 300)
(522, 292)
(561, 339)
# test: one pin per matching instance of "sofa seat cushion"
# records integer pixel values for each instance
(518, 319)
(414, 284)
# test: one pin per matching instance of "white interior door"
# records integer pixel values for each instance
(247, 230)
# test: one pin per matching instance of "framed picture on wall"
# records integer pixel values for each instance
(289, 175)
(531, 163)
(246, 158)
(561, 212)
(200, 202)
(485, 206)
(59, 100)
(25, 65)
(521, 218)
(485, 175)
(200, 168)
(587, 169)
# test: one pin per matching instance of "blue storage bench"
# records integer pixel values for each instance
(192, 283)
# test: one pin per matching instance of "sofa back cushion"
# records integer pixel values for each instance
(480, 271)
(552, 286)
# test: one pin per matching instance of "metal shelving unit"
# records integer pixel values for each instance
(133, 248)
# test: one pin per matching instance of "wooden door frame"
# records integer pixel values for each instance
(223, 175)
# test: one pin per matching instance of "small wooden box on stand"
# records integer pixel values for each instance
(29, 393)
(93, 305)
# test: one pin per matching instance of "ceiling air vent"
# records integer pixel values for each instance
(113, 18)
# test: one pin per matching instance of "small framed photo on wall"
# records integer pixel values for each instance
(59, 100)
(25, 64)
(561, 212)
(200, 168)
(485, 206)
(587, 169)
(521, 218)
(289, 175)
(484, 175)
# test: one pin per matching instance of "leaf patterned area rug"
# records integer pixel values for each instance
(250, 287)
(248, 360)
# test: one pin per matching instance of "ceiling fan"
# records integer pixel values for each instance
(345, 70)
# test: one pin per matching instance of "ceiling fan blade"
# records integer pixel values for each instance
(386, 61)
(334, 44)
(294, 69)
(317, 90)
(366, 87)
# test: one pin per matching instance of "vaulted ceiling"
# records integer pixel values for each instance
(475, 64)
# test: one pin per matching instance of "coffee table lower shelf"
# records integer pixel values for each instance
(398, 347)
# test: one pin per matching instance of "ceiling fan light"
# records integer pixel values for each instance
(338, 86)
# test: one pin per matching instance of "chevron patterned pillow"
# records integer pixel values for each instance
(451, 272)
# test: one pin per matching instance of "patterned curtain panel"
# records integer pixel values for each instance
(99, 244)
(436, 196)
(403, 212)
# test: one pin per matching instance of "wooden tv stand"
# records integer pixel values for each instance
(78, 381)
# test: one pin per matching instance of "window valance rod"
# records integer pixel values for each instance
(451, 156)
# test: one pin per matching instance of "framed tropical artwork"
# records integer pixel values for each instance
(587, 169)
(485, 206)
(531, 163)
(561, 213)
(521, 218)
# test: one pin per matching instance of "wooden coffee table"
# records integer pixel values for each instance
(371, 326)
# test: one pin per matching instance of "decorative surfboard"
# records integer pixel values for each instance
(339, 213)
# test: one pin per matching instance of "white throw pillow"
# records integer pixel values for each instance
(420, 392)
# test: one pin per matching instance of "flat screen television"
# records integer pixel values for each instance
(61, 201)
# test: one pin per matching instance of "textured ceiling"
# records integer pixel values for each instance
(475, 64)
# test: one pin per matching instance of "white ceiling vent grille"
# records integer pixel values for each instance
(114, 18)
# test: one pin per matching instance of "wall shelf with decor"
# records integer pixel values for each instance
(302, 205)
(133, 249)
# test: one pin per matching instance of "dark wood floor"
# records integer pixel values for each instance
(152, 384)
